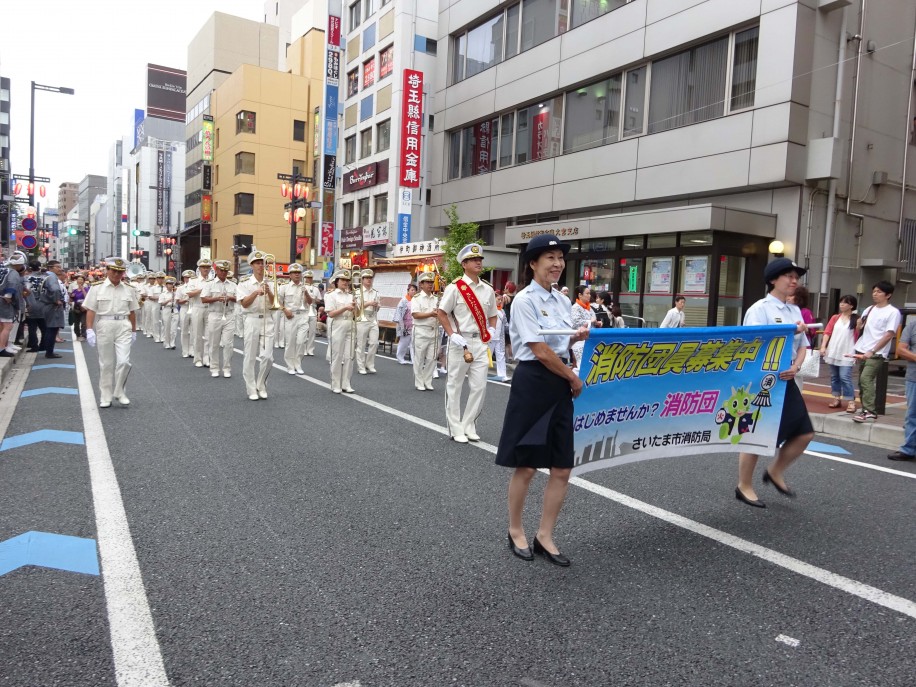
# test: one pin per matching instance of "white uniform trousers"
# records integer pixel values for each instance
(184, 322)
(147, 309)
(258, 348)
(279, 328)
(312, 330)
(138, 313)
(158, 331)
(498, 347)
(199, 334)
(403, 347)
(366, 345)
(169, 326)
(341, 348)
(113, 342)
(296, 330)
(424, 355)
(220, 337)
(476, 372)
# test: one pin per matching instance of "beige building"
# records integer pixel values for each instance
(67, 196)
(264, 124)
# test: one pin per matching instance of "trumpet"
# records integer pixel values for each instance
(270, 272)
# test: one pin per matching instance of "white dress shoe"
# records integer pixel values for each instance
(372, 372)
(253, 397)
(227, 374)
(460, 438)
(198, 364)
(335, 391)
(300, 371)
(420, 388)
(290, 371)
(105, 404)
(473, 437)
(430, 388)
(362, 372)
(123, 400)
(262, 394)
(214, 374)
(349, 390)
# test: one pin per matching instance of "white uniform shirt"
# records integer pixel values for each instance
(453, 304)
(260, 305)
(313, 291)
(364, 295)
(108, 299)
(421, 303)
(216, 288)
(771, 310)
(166, 298)
(336, 300)
(195, 284)
(291, 296)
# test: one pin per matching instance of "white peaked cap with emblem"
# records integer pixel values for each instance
(472, 250)
(257, 255)
(295, 267)
(426, 276)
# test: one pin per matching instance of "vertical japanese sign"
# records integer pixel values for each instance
(482, 148)
(329, 128)
(411, 125)
(539, 135)
(655, 393)
(405, 201)
(206, 133)
(160, 188)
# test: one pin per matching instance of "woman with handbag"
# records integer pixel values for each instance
(837, 348)
(77, 296)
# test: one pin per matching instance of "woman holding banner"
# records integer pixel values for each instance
(795, 428)
(538, 427)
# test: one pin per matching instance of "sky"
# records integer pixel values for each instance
(100, 48)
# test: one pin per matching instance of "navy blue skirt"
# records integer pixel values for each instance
(538, 427)
(795, 420)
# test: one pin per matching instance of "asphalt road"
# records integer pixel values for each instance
(319, 539)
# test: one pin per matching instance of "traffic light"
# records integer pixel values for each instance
(73, 231)
(134, 232)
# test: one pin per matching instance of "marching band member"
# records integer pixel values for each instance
(279, 321)
(339, 307)
(220, 294)
(467, 312)
(199, 313)
(167, 313)
(141, 286)
(311, 311)
(368, 301)
(295, 301)
(423, 307)
(255, 296)
(158, 333)
(150, 305)
(111, 308)
(184, 312)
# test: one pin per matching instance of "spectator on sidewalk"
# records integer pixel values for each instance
(906, 349)
(837, 347)
(877, 328)
(675, 317)
(77, 313)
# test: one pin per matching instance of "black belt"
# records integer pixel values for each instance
(563, 360)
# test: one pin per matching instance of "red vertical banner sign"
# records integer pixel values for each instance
(327, 238)
(411, 125)
(539, 136)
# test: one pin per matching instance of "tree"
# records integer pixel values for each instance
(459, 235)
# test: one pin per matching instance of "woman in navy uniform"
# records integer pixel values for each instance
(538, 428)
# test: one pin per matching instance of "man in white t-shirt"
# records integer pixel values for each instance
(675, 317)
(877, 328)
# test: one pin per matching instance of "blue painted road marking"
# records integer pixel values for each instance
(63, 350)
(50, 390)
(827, 448)
(50, 366)
(55, 435)
(58, 551)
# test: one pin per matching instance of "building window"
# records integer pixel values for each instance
(244, 163)
(635, 98)
(356, 14)
(298, 130)
(386, 62)
(383, 136)
(368, 73)
(244, 204)
(350, 149)
(369, 33)
(744, 69)
(586, 10)
(347, 215)
(424, 44)
(299, 167)
(365, 142)
(381, 208)
(689, 87)
(245, 122)
(363, 208)
(352, 82)
(365, 108)
(593, 115)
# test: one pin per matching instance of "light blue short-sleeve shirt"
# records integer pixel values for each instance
(536, 308)
(771, 310)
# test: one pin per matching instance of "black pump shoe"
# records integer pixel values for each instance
(769, 480)
(741, 497)
(525, 554)
(555, 558)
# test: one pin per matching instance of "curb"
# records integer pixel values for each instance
(6, 366)
(842, 427)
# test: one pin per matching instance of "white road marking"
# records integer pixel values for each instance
(860, 464)
(348, 684)
(785, 639)
(137, 656)
(830, 579)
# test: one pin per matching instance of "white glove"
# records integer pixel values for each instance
(90, 337)
(133, 337)
(459, 340)
(492, 331)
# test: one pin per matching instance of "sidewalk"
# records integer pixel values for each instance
(886, 432)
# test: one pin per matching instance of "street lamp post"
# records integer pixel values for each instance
(294, 187)
(39, 87)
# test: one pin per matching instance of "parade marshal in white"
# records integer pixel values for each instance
(468, 332)
(111, 323)
(255, 296)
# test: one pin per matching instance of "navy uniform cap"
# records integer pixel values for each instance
(542, 243)
(781, 266)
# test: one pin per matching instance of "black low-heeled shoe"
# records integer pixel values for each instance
(769, 480)
(555, 558)
(525, 554)
(741, 497)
